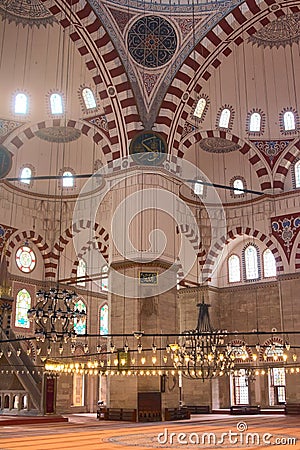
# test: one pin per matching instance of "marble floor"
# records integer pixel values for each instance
(84, 431)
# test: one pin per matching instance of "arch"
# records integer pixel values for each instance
(297, 258)
(197, 67)
(239, 343)
(94, 244)
(261, 168)
(68, 235)
(288, 157)
(216, 251)
(276, 340)
(101, 57)
(19, 237)
(20, 136)
(191, 235)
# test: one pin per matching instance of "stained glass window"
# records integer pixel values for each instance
(81, 271)
(88, 98)
(234, 269)
(23, 304)
(297, 174)
(269, 264)
(68, 179)
(255, 122)
(26, 173)
(56, 103)
(104, 278)
(224, 118)
(104, 319)
(251, 263)
(238, 184)
(80, 324)
(200, 107)
(25, 259)
(21, 103)
(289, 121)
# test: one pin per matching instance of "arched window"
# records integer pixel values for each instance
(88, 98)
(68, 179)
(200, 107)
(104, 319)
(255, 122)
(234, 269)
(251, 263)
(224, 118)
(198, 188)
(238, 187)
(23, 304)
(297, 174)
(21, 103)
(80, 324)
(289, 122)
(104, 278)
(81, 272)
(269, 264)
(56, 103)
(25, 175)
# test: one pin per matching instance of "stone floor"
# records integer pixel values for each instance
(84, 431)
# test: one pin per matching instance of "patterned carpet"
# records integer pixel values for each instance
(246, 432)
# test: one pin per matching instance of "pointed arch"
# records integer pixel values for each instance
(215, 252)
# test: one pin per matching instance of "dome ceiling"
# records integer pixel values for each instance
(148, 68)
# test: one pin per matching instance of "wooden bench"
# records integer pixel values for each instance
(244, 409)
(177, 413)
(292, 408)
(128, 415)
(199, 409)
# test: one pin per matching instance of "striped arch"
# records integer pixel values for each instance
(273, 340)
(191, 235)
(106, 67)
(297, 259)
(213, 48)
(18, 238)
(68, 235)
(241, 343)
(93, 244)
(288, 158)
(16, 140)
(246, 149)
(218, 247)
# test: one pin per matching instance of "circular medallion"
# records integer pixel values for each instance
(218, 145)
(148, 148)
(5, 161)
(58, 134)
(25, 259)
(152, 41)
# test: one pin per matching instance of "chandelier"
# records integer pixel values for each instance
(55, 315)
(202, 353)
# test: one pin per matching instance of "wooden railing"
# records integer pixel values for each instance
(177, 413)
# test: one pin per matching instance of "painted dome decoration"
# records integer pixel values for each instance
(152, 41)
